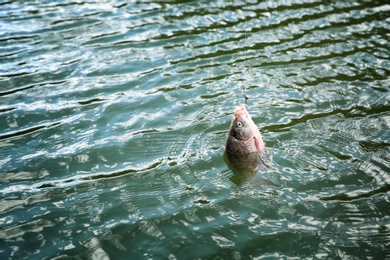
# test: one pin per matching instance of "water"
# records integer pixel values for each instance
(114, 117)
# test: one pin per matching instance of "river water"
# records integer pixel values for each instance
(114, 117)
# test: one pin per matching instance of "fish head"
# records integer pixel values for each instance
(242, 124)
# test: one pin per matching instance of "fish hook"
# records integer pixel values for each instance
(245, 96)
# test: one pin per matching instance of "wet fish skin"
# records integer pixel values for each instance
(244, 136)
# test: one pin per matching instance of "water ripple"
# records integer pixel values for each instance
(114, 117)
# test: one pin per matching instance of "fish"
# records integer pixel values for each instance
(244, 136)
(245, 152)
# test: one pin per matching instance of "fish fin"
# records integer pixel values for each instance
(257, 143)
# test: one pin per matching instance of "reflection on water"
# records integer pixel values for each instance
(244, 166)
(247, 166)
(114, 118)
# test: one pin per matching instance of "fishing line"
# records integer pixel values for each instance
(245, 50)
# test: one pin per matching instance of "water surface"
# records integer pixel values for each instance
(114, 117)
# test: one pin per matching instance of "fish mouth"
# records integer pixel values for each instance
(241, 114)
(240, 110)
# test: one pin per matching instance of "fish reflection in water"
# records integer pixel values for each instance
(246, 166)
(245, 150)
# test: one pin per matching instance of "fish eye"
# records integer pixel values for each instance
(238, 124)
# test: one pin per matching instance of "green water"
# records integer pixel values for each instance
(114, 117)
